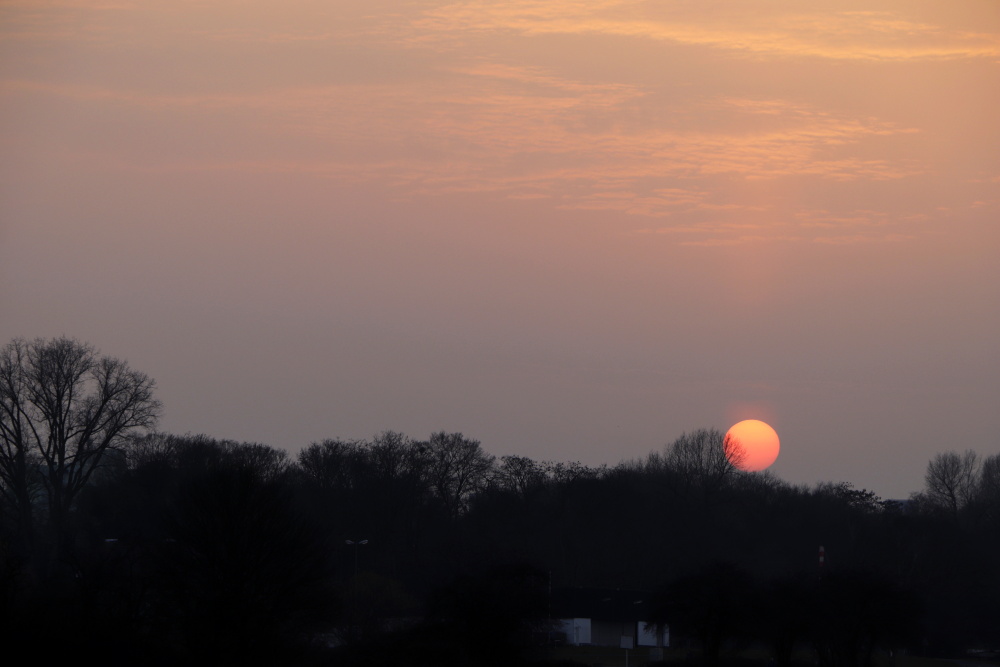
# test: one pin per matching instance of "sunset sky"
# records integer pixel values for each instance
(571, 229)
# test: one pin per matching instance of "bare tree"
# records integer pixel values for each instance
(19, 480)
(268, 463)
(62, 408)
(951, 480)
(519, 474)
(571, 471)
(734, 450)
(331, 464)
(146, 448)
(988, 489)
(700, 458)
(989, 477)
(394, 456)
(457, 467)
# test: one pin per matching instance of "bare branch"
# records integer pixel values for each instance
(62, 406)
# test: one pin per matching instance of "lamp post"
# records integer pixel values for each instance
(354, 590)
(356, 545)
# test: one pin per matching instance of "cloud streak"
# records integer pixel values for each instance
(836, 35)
(483, 119)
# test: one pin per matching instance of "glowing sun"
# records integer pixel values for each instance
(751, 445)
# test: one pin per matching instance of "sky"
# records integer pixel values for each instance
(570, 229)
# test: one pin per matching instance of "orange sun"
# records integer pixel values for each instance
(751, 445)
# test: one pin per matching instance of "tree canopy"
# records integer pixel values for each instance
(180, 548)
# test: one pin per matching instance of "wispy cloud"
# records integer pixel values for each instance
(798, 32)
(521, 132)
(692, 154)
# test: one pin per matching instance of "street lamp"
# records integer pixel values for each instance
(356, 545)
(354, 589)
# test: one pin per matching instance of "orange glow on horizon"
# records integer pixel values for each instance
(752, 445)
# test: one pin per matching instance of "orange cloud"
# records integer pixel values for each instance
(839, 35)
(528, 126)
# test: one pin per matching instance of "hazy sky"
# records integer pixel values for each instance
(571, 229)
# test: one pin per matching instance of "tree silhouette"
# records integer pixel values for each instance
(457, 467)
(951, 480)
(62, 408)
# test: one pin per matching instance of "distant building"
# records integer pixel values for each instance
(604, 617)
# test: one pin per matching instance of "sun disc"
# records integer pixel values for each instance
(752, 445)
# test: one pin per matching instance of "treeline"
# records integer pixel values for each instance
(140, 547)
(185, 548)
